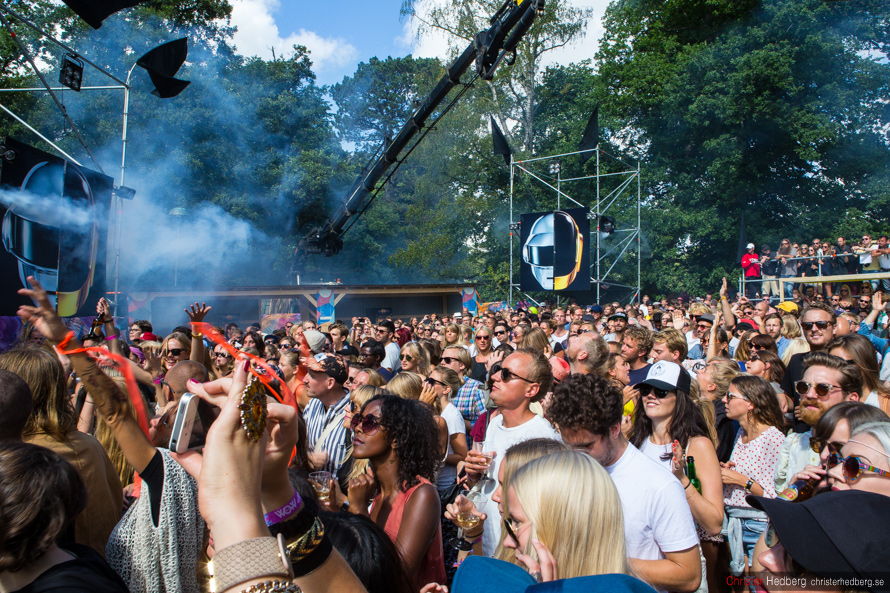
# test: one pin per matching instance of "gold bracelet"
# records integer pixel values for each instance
(198, 335)
(275, 586)
(306, 544)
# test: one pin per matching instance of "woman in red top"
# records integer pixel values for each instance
(399, 437)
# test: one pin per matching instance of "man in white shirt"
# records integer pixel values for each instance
(662, 545)
(525, 377)
(385, 330)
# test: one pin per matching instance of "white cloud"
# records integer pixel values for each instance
(435, 45)
(257, 34)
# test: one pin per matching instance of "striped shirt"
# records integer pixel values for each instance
(470, 400)
(338, 441)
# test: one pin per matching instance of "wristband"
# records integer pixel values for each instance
(749, 484)
(688, 484)
(286, 512)
(247, 560)
(159, 380)
(114, 337)
(473, 542)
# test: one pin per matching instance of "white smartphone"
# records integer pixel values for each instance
(193, 419)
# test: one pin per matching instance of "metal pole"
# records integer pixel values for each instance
(61, 107)
(639, 236)
(120, 200)
(510, 296)
(42, 137)
(597, 224)
(558, 185)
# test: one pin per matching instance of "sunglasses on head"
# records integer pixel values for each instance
(659, 393)
(854, 466)
(821, 389)
(369, 424)
(407, 357)
(808, 325)
(507, 375)
(174, 352)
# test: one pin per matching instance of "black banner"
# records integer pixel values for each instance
(55, 228)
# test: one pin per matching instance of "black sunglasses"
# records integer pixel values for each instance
(808, 325)
(510, 531)
(369, 424)
(508, 375)
(449, 359)
(647, 389)
(430, 381)
(174, 352)
(222, 354)
(500, 333)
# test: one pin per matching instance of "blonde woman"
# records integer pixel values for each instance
(407, 385)
(483, 349)
(561, 533)
(414, 359)
(451, 337)
(537, 339)
(796, 346)
(791, 327)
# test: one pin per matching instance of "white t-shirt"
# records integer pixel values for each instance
(455, 423)
(500, 438)
(391, 361)
(657, 518)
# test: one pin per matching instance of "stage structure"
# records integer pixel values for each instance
(614, 210)
(161, 63)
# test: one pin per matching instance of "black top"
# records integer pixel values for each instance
(793, 374)
(726, 431)
(87, 573)
(153, 475)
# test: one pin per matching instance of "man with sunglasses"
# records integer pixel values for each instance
(470, 399)
(818, 322)
(662, 545)
(827, 381)
(329, 442)
(836, 535)
(384, 333)
(525, 376)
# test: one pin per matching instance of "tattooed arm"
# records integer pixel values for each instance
(110, 401)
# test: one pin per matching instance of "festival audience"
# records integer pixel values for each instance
(394, 463)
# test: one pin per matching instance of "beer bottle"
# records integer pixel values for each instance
(690, 473)
(800, 490)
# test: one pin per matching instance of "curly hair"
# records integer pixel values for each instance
(40, 495)
(760, 394)
(586, 402)
(415, 438)
(641, 336)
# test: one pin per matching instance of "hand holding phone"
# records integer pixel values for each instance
(193, 419)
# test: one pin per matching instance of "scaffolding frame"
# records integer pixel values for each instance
(622, 194)
(122, 85)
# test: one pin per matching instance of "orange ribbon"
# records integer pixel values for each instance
(286, 396)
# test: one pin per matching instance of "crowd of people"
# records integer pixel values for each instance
(806, 262)
(713, 444)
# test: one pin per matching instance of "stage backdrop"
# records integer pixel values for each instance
(555, 250)
(54, 227)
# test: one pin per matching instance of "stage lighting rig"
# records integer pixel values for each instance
(71, 74)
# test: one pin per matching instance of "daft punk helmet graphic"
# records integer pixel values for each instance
(554, 267)
(56, 245)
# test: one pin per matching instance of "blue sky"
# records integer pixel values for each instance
(341, 34)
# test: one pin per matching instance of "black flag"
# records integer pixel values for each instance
(500, 143)
(162, 64)
(590, 137)
(743, 241)
(96, 11)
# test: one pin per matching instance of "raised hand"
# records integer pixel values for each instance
(197, 312)
(43, 315)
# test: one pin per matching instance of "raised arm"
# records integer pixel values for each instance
(196, 314)
(112, 403)
(728, 316)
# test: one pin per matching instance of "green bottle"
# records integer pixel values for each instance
(690, 473)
